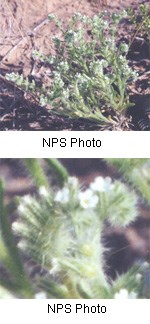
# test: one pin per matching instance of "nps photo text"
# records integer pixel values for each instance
(77, 308)
(71, 142)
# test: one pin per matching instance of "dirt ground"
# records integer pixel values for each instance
(24, 20)
(125, 246)
(24, 28)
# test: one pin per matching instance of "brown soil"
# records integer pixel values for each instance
(23, 29)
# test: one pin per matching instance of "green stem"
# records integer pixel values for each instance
(36, 171)
(10, 253)
(59, 169)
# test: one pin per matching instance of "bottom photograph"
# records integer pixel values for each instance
(75, 228)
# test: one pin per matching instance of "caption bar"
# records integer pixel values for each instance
(74, 144)
(74, 311)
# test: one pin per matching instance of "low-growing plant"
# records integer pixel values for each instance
(88, 71)
(59, 231)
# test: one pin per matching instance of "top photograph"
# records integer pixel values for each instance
(79, 65)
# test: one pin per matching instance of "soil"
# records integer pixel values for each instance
(24, 28)
(124, 246)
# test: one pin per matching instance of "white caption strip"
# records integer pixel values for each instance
(74, 144)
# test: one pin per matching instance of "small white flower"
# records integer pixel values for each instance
(82, 79)
(22, 209)
(105, 24)
(43, 101)
(78, 76)
(24, 203)
(51, 59)
(124, 47)
(85, 19)
(62, 195)
(66, 93)
(138, 277)
(55, 267)
(57, 80)
(27, 200)
(77, 35)
(40, 295)
(43, 191)
(124, 294)
(51, 16)
(69, 36)
(102, 184)
(64, 65)
(145, 265)
(16, 227)
(5, 294)
(73, 181)
(22, 245)
(97, 67)
(87, 199)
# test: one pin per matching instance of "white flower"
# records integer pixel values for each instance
(43, 191)
(22, 245)
(16, 227)
(5, 294)
(22, 209)
(66, 93)
(145, 265)
(51, 16)
(124, 294)
(58, 80)
(55, 267)
(62, 195)
(40, 295)
(85, 19)
(88, 199)
(102, 184)
(124, 48)
(24, 203)
(138, 277)
(64, 65)
(98, 66)
(27, 200)
(73, 181)
(69, 36)
(51, 59)
(43, 100)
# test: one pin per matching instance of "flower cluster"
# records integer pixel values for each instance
(99, 23)
(79, 17)
(124, 294)
(58, 82)
(88, 198)
(107, 199)
(98, 66)
(63, 66)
